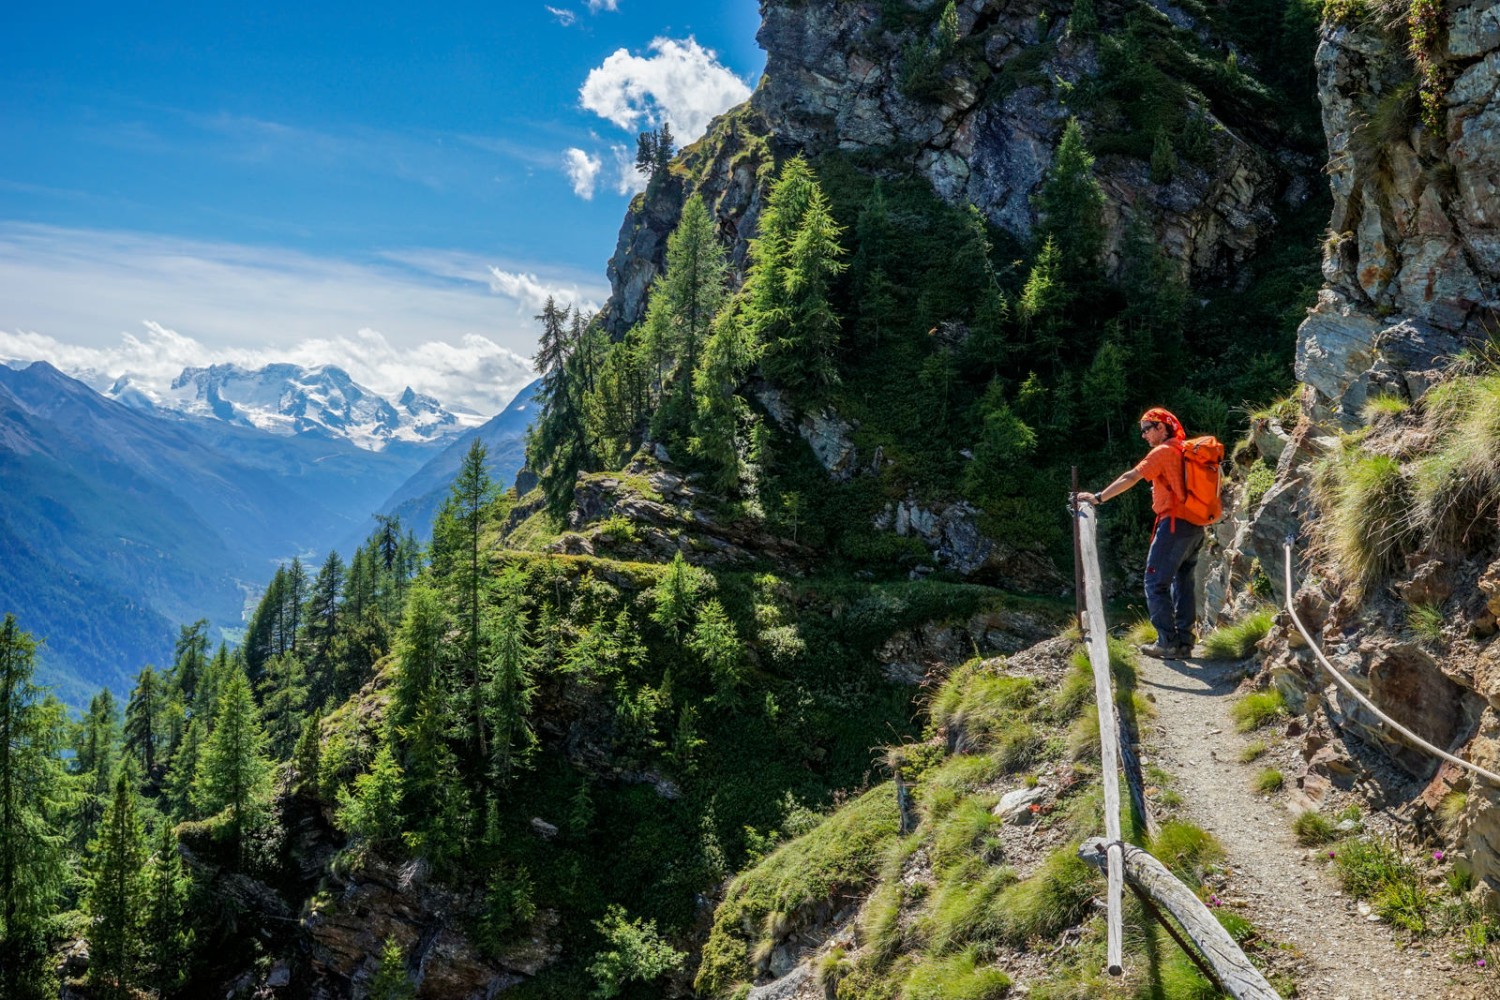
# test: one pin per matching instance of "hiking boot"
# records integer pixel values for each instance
(1182, 652)
(1157, 651)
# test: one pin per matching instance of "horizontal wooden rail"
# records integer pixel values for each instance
(1236, 975)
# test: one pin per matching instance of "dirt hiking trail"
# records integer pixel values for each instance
(1334, 951)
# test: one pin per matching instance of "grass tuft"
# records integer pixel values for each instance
(1313, 829)
(1269, 781)
(1425, 621)
(1186, 849)
(959, 977)
(1455, 484)
(1375, 870)
(1365, 528)
(1253, 752)
(1257, 709)
(1237, 641)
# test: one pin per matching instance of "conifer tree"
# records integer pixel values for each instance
(307, 758)
(1070, 208)
(283, 700)
(233, 772)
(684, 301)
(511, 689)
(144, 725)
(117, 894)
(727, 358)
(178, 785)
(190, 658)
(456, 544)
(391, 981)
(33, 794)
(96, 756)
(321, 625)
(1041, 305)
(876, 292)
(793, 263)
(372, 811)
(167, 937)
(675, 595)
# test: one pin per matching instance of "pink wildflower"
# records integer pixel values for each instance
(1438, 855)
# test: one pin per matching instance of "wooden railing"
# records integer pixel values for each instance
(1211, 948)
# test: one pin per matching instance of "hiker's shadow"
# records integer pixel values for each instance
(1214, 677)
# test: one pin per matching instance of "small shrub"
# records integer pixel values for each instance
(1258, 482)
(1313, 829)
(1257, 709)
(634, 952)
(1237, 641)
(1253, 752)
(619, 530)
(1269, 781)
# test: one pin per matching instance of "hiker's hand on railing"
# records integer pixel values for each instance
(1088, 498)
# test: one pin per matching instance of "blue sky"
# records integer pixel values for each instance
(368, 185)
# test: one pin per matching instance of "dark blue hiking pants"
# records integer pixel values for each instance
(1169, 580)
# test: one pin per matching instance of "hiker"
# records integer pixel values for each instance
(1175, 541)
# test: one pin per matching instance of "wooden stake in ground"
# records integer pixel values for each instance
(1109, 741)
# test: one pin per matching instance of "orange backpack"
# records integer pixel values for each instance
(1200, 475)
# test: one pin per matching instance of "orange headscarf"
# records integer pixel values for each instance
(1167, 419)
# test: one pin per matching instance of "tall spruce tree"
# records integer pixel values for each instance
(234, 773)
(729, 355)
(1070, 208)
(117, 894)
(144, 723)
(792, 266)
(457, 548)
(96, 756)
(684, 301)
(511, 688)
(321, 626)
(167, 937)
(33, 795)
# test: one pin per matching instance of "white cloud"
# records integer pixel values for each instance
(564, 16)
(66, 296)
(532, 293)
(682, 83)
(628, 178)
(595, 6)
(583, 170)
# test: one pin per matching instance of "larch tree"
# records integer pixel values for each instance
(166, 934)
(684, 301)
(728, 356)
(117, 894)
(96, 755)
(144, 725)
(456, 543)
(1070, 208)
(33, 795)
(233, 772)
(321, 626)
(511, 688)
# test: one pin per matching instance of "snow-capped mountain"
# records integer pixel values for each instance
(287, 399)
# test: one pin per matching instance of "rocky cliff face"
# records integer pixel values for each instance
(1412, 255)
(1411, 262)
(977, 114)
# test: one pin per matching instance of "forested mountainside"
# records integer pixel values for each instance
(721, 699)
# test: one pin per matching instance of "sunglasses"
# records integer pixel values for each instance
(1148, 425)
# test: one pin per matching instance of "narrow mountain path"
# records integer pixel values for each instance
(1336, 953)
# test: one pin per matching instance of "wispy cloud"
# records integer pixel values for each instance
(565, 17)
(583, 170)
(532, 293)
(680, 82)
(595, 6)
(116, 302)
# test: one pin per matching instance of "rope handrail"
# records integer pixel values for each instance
(1348, 685)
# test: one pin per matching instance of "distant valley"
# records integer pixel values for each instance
(131, 511)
